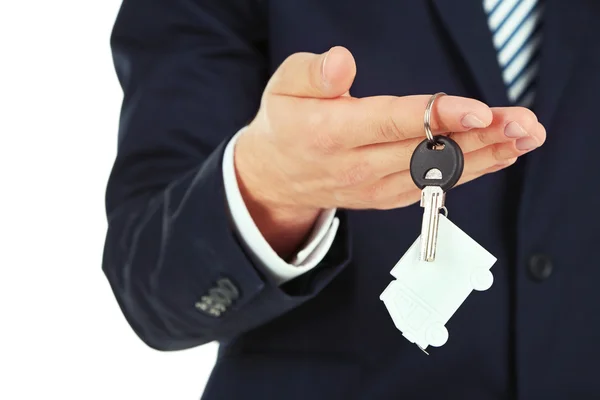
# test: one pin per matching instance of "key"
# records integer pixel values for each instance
(425, 294)
(435, 168)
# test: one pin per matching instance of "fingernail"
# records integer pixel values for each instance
(526, 144)
(471, 121)
(323, 74)
(514, 130)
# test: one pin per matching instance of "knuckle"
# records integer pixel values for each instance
(373, 193)
(496, 153)
(267, 104)
(483, 137)
(390, 130)
(294, 57)
(325, 141)
(504, 163)
(403, 153)
(292, 60)
(355, 174)
(511, 161)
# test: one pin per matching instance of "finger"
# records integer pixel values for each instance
(387, 189)
(514, 127)
(408, 196)
(328, 75)
(392, 191)
(489, 156)
(490, 170)
(379, 160)
(509, 124)
(381, 119)
(399, 200)
(405, 199)
(374, 162)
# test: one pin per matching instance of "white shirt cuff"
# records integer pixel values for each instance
(318, 244)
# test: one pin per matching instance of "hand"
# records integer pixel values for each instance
(313, 146)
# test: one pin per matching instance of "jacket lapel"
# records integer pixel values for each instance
(465, 21)
(565, 23)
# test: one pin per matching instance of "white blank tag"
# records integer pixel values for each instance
(425, 295)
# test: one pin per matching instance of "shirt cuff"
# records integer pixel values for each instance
(318, 244)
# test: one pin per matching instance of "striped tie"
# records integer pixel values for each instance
(516, 30)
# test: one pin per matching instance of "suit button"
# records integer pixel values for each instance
(218, 298)
(540, 267)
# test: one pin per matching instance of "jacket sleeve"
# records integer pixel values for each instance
(192, 73)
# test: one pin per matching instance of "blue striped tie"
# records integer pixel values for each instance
(516, 30)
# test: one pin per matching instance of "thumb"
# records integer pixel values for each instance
(327, 75)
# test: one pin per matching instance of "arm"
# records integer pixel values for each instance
(192, 72)
(192, 75)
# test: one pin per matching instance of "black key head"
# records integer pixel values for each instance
(440, 165)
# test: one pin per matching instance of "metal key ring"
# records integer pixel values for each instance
(427, 119)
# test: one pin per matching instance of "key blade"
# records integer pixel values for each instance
(432, 200)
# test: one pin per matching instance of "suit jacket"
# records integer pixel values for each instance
(193, 73)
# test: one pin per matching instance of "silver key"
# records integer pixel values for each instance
(435, 171)
(432, 200)
(435, 167)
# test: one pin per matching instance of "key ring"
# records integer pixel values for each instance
(427, 119)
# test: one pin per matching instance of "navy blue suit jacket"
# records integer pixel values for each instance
(193, 72)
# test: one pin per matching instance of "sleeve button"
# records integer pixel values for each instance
(540, 267)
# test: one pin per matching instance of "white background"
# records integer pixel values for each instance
(62, 335)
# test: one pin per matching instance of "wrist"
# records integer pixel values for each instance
(284, 226)
(285, 229)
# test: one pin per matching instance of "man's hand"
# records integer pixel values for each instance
(312, 146)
